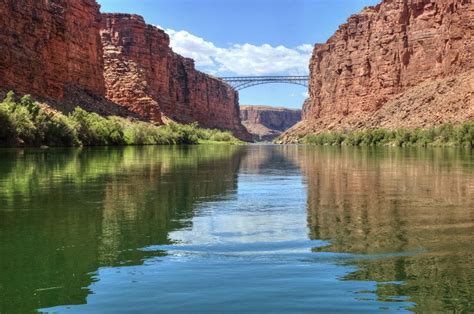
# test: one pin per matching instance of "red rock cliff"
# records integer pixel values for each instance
(266, 123)
(144, 74)
(49, 47)
(388, 50)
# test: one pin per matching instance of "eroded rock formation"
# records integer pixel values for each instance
(385, 51)
(266, 123)
(143, 74)
(66, 53)
(47, 47)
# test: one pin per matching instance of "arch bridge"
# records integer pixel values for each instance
(241, 82)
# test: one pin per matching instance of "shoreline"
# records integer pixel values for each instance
(444, 135)
(27, 123)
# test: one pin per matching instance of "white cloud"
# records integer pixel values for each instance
(241, 59)
(193, 47)
(305, 48)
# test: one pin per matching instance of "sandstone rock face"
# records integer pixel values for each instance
(66, 53)
(382, 52)
(143, 74)
(48, 48)
(266, 123)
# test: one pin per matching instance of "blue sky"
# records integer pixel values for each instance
(247, 37)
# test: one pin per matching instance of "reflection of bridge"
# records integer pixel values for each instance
(241, 82)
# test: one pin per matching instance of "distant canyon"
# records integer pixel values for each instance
(266, 123)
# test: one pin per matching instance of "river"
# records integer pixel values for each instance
(232, 229)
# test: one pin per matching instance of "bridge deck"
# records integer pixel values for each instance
(241, 82)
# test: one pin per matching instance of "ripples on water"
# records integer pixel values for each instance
(236, 229)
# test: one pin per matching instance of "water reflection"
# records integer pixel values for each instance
(236, 229)
(64, 214)
(420, 202)
(245, 251)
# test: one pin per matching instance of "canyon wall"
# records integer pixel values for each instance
(66, 53)
(143, 74)
(388, 50)
(266, 123)
(49, 47)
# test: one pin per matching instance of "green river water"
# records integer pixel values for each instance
(236, 229)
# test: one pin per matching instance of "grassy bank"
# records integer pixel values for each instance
(444, 135)
(27, 123)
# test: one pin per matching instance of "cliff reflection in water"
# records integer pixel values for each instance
(412, 211)
(400, 224)
(64, 214)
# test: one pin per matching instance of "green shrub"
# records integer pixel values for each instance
(355, 138)
(426, 136)
(184, 134)
(464, 134)
(9, 98)
(140, 133)
(221, 137)
(377, 137)
(7, 129)
(94, 130)
(30, 105)
(116, 134)
(24, 128)
(446, 134)
(16, 121)
(25, 122)
(56, 130)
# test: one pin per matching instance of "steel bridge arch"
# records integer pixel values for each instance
(242, 82)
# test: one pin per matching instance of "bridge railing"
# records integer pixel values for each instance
(241, 82)
(256, 78)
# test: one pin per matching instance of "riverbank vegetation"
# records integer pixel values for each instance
(24, 122)
(461, 135)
